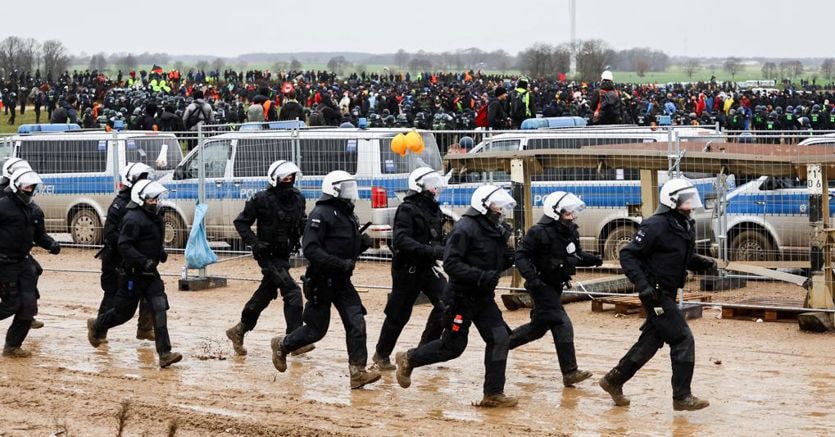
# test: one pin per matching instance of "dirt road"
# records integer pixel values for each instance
(761, 378)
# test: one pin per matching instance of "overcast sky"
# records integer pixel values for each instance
(799, 28)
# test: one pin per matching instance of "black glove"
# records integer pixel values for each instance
(597, 261)
(439, 252)
(55, 248)
(489, 279)
(259, 249)
(348, 265)
(713, 270)
(163, 256)
(366, 242)
(650, 296)
(150, 265)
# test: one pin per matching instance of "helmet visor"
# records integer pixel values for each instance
(348, 190)
(571, 204)
(433, 182)
(501, 201)
(688, 198)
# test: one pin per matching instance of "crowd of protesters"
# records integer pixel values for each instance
(159, 99)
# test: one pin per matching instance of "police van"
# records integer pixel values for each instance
(236, 165)
(612, 196)
(768, 219)
(79, 178)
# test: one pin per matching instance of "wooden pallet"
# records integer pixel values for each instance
(632, 304)
(764, 308)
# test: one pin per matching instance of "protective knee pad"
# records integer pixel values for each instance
(500, 342)
(292, 297)
(357, 322)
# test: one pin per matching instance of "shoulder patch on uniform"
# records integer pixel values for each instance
(640, 236)
(314, 223)
(116, 206)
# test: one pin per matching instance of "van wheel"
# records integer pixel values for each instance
(752, 245)
(175, 230)
(617, 239)
(85, 227)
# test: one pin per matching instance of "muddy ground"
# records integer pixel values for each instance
(761, 378)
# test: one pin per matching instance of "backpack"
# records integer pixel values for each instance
(607, 105)
(316, 118)
(481, 117)
(196, 116)
(518, 109)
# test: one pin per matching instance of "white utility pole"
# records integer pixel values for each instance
(572, 13)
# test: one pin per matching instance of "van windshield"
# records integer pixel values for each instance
(6, 148)
(391, 162)
(147, 151)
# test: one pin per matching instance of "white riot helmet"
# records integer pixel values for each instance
(21, 178)
(426, 179)
(135, 172)
(146, 189)
(340, 184)
(680, 192)
(490, 196)
(13, 164)
(607, 75)
(560, 201)
(280, 170)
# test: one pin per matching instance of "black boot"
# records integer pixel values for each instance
(612, 383)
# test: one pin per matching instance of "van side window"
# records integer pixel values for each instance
(321, 156)
(501, 146)
(254, 155)
(65, 156)
(216, 157)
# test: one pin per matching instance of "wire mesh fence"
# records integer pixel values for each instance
(758, 207)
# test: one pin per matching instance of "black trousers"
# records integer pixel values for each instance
(548, 314)
(460, 314)
(669, 328)
(110, 280)
(406, 286)
(18, 298)
(339, 292)
(148, 287)
(268, 291)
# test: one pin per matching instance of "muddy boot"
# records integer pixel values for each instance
(37, 324)
(575, 377)
(612, 383)
(690, 403)
(145, 334)
(361, 377)
(235, 334)
(497, 401)
(91, 333)
(404, 370)
(383, 364)
(303, 350)
(16, 352)
(169, 358)
(279, 354)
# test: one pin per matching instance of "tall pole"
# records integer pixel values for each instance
(572, 13)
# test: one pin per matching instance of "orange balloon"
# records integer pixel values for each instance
(414, 142)
(398, 144)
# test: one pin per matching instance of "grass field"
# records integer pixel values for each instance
(28, 117)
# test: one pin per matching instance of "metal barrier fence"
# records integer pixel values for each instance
(759, 215)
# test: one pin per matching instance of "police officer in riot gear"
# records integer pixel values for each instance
(9, 167)
(111, 260)
(21, 225)
(279, 211)
(656, 261)
(332, 243)
(475, 254)
(417, 245)
(141, 247)
(547, 257)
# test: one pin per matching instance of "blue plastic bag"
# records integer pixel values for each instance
(198, 252)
